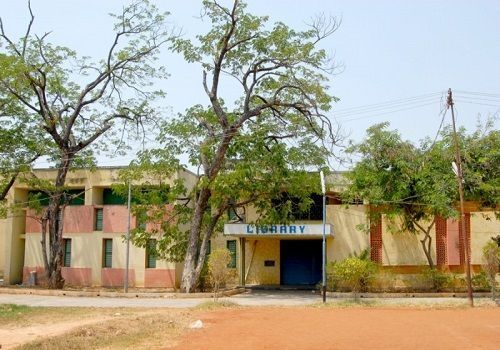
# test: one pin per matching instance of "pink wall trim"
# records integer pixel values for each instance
(159, 278)
(453, 242)
(115, 219)
(40, 274)
(77, 276)
(32, 223)
(77, 219)
(111, 277)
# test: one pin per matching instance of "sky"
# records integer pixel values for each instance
(397, 58)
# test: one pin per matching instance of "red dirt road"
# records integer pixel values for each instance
(350, 328)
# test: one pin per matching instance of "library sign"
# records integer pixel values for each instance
(299, 230)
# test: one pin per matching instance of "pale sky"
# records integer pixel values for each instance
(411, 51)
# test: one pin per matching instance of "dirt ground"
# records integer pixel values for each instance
(302, 327)
(349, 328)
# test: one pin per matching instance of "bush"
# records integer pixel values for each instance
(491, 257)
(351, 274)
(480, 282)
(217, 269)
(437, 280)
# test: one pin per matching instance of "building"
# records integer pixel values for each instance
(292, 254)
(96, 221)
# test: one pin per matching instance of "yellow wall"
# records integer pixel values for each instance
(257, 251)
(405, 248)
(13, 239)
(3, 238)
(86, 251)
(347, 239)
(483, 227)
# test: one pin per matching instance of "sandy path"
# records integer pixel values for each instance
(12, 336)
(357, 328)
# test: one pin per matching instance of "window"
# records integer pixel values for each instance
(314, 212)
(98, 219)
(75, 197)
(111, 198)
(232, 215)
(107, 252)
(67, 252)
(151, 254)
(231, 246)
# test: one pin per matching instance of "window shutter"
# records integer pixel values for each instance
(231, 246)
(150, 252)
(67, 252)
(98, 219)
(108, 253)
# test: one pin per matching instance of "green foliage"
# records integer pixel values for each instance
(69, 102)
(481, 282)
(404, 181)
(353, 274)
(409, 185)
(217, 269)
(437, 280)
(491, 265)
(263, 143)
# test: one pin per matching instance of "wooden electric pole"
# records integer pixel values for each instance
(460, 178)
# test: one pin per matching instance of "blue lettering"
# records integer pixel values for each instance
(274, 229)
(249, 229)
(263, 229)
(302, 228)
(282, 229)
(293, 229)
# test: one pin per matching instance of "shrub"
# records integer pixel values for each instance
(491, 257)
(383, 281)
(437, 280)
(217, 269)
(353, 274)
(480, 282)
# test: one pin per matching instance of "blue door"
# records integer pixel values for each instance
(300, 262)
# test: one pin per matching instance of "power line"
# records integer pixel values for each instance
(477, 93)
(385, 107)
(390, 112)
(478, 103)
(388, 102)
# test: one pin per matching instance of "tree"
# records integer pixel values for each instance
(406, 184)
(481, 158)
(410, 185)
(20, 145)
(74, 102)
(252, 149)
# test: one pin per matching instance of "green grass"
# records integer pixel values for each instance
(13, 312)
(21, 315)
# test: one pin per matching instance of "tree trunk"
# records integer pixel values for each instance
(426, 246)
(54, 220)
(190, 273)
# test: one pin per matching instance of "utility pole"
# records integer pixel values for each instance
(127, 256)
(460, 178)
(323, 284)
